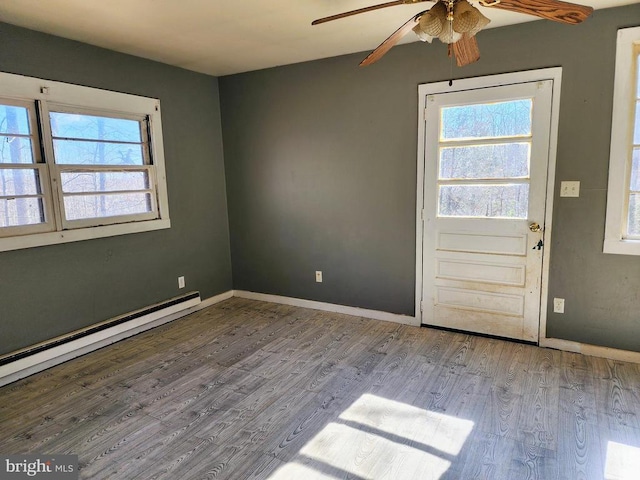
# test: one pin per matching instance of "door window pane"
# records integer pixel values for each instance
(80, 207)
(486, 201)
(489, 120)
(507, 160)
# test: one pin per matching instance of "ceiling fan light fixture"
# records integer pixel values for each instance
(449, 35)
(424, 37)
(433, 22)
(482, 22)
(465, 18)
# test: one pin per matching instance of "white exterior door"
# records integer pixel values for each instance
(485, 178)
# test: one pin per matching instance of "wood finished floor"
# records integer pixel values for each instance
(249, 389)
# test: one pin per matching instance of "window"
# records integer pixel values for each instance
(77, 163)
(22, 201)
(622, 232)
(484, 153)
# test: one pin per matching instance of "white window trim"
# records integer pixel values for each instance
(23, 88)
(620, 153)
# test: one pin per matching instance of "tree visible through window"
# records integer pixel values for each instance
(484, 154)
(103, 165)
(77, 163)
(21, 201)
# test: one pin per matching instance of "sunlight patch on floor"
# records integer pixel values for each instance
(442, 432)
(379, 438)
(623, 462)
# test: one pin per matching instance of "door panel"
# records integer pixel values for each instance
(486, 158)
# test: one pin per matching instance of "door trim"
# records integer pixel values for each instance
(554, 74)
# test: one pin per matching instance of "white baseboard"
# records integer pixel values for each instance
(207, 302)
(558, 344)
(53, 356)
(593, 350)
(329, 307)
(42, 360)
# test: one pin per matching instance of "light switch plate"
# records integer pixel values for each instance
(570, 189)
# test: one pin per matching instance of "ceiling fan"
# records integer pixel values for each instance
(456, 22)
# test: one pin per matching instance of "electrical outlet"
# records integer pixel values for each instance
(181, 283)
(558, 305)
(318, 276)
(569, 189)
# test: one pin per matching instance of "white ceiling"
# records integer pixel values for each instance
(221, 37)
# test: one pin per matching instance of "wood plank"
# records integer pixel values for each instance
(249, 389)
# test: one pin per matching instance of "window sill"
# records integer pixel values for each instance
(622, 247)
(66, 236)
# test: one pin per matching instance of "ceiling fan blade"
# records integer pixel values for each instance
(466, 50)
(385, 46)
(356, 12)
(556, 10)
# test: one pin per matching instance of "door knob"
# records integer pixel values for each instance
(534, 227)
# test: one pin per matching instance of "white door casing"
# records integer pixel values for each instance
(483, 272)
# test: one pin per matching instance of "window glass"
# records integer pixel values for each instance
(506, 160)
(636, 129)
(80, 139)
(633, 226)
(501, 119)
(17, 182)
(489, 201)
(82, 152)
(16, 212)
(79, 207)
(79, 182)
(16, 149)
(91, 127)
(482, 173)
(14, 120)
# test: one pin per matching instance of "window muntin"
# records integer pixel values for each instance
(74, 157)
(484, 160)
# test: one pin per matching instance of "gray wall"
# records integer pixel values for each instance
(321, 174)
(52, 290)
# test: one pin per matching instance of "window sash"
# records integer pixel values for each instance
(110, 220)
(617, 238)
(45, 194)
(38, 165)
(635, 101)
(65, 223)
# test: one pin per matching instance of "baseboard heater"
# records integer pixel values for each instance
(38, 357)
